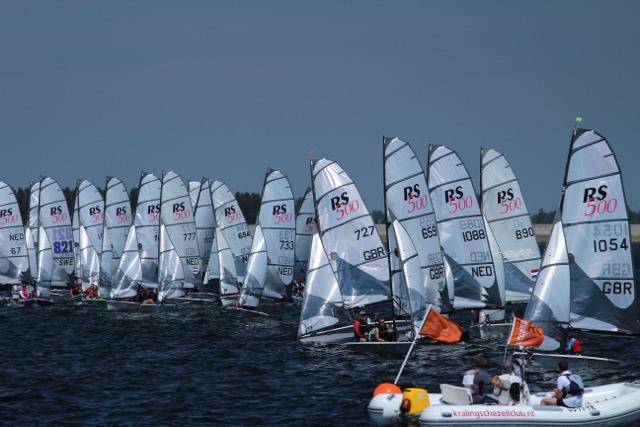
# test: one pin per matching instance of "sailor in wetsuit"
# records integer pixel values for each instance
(360, 327)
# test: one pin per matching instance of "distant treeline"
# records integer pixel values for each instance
(250, 205)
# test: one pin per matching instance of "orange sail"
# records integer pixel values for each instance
(440, 328)
(525, 333)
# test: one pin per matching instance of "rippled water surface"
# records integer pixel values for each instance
(202, 365)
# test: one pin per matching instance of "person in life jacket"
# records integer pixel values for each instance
(382, 331)
(480, 382)
(91, 292)
(576, 348)
(360, 327)
(24, 293)
(569, 389)
(76, 289)
(152, 297)
(569, 347)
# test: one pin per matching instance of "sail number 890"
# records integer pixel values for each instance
(524, 233)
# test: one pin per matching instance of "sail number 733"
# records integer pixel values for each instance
(613, 244)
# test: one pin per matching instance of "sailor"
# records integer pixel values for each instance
(576, 348)
(382, 331)
(360, 327)
(569, 389)
(76, 289)
(151, 297)
(24, 292)
(570, 340)
(510, 387)
(479, 382)
(91, 292)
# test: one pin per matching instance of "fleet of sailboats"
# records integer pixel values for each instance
(446, 250)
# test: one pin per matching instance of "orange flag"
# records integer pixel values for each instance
(525, 333)
(440, 328)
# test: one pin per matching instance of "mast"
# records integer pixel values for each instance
(385, 141)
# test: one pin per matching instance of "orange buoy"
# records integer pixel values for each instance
(387, 388)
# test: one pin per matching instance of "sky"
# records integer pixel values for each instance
(226, 89)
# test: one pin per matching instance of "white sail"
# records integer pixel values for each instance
(549, 303)
(47, 273)
(228, 276)
(171, 273)
(177, 215)
(462, 231)
(349, 236)
(306, 227)
(55, 222)
(277, 222)
(106, 264)
(14, 258)
(596, 228)
(129, 271)
(89, 260)
(411, 269)
(407, 200)
(504, 209)
(32, 251)
(118, 217)
(257, 270)
(322, 305)
(89, 214)
(206, 231)
(231, 222)
(147, 221)
(194, 191)
(34, 212)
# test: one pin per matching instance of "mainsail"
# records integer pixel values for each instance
(462, 231)
(349, 236)
(504, 209)
(118, 218)
(171, 273)
(277, 222)
(595, 289)
(305, 229)
(55, 253)
(106, 264)
(177, 216)
(257, 270)
(88, 214)
(89, 259)
(228, 276)
(407, 200)
(231, 222)
(147, 221)
(14, 259)
(128, 274)
(206, 231)
(322, 305)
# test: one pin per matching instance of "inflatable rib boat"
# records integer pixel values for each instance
(608, 405)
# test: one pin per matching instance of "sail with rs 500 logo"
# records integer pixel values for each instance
(349, 236)
(506, 213)
(586, 280)
(466, 241)
(277, 221)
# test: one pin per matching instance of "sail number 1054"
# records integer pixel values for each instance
(613, 244)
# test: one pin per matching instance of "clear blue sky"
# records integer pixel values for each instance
(225, 89)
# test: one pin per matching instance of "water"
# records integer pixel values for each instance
(201, 365)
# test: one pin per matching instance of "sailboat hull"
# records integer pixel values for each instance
(550, 361)
(399, 348)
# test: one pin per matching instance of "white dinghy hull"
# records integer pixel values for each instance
(389, 347)
(550, 361)
(609, 405)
